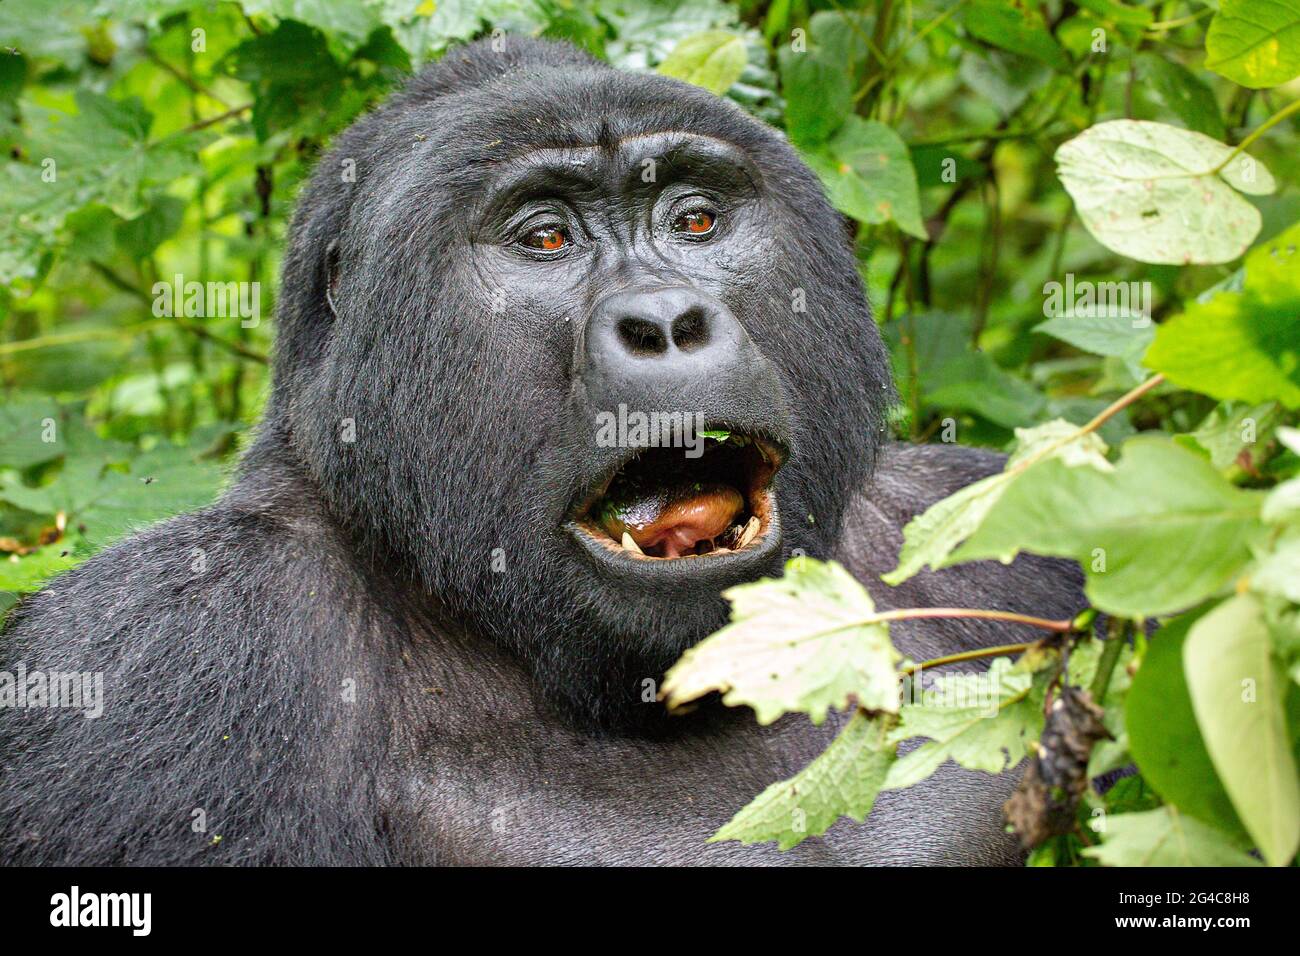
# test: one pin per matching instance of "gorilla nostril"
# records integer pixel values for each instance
(691, 329)
(641, 337)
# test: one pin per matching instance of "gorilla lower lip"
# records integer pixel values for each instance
(662, 505)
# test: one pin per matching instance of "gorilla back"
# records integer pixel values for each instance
(454, 559)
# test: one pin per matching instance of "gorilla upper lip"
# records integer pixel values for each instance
(661, 505)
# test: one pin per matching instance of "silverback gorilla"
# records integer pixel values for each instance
(412, 637)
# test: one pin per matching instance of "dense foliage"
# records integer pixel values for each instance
(1077, 222)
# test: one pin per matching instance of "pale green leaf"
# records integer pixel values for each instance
(713, 59)
(930, 538)
(806, 642)
(982, 721)
(842, 781)
(1150, 191)
(1237, 691)
(1161, 532)
(1164, 837)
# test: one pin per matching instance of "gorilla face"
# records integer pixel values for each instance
(540, 278)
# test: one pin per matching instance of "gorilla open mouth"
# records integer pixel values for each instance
(661, 504)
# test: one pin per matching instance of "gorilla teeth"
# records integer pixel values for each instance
(750, 532)
(631, 545)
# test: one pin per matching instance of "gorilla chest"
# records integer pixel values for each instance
(530, 794)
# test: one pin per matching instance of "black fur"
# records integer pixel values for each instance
(351, 677)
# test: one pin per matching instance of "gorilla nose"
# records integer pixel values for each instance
(672, 337)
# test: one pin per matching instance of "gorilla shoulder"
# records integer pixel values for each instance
(226, 640)
(907, 480)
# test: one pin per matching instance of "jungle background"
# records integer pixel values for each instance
(966, 143)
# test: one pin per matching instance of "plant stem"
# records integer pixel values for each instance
(1121, 403)
(1263, 128)
(1001, 650)
(919, 613)
(1109, 655)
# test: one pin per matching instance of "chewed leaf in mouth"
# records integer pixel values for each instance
(664, 504)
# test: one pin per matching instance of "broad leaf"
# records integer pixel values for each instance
(818, 95)
(1020, 30)
(806, 642)
(1163, 736)
(1155, 192)
(931, 537)
(1165, 837)
(842, 781)
(1241, 344)
(1237, 691)
(1255, 42)
(1122, 336)
(1182, 93)
(868, 174)
(713, 59)
(1148, 543)
(983, 721)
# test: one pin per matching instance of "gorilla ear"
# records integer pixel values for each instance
(331, 275)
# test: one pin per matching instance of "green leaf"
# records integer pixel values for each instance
(842, 781)
(27, 572)
(1162, 733)
(805, 642)
(101, 154)
(1255, 43)
(868, 174)
(1160, 532)
(1237, 691)
(28, 432)
(713, 59)
(1020, 30)
(351, 21)
(931, 537)
(1151, 192)
(1181, 92)
(105, 503)
(1123, 336)
(139, 237)
(1232, 431)
(818, 95)
(1242, 344)
(981, 721)
(1164, 837)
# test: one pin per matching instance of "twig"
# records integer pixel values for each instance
(1001, 650)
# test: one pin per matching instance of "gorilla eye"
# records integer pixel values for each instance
(697, 224)
(548, 238)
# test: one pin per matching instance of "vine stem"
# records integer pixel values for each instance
(1263, 128)
(1109, 656)
(1001, 650)
(920, 613)
(1121, 403)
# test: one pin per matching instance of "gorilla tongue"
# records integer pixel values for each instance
(671, 521)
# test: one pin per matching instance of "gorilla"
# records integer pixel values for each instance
(419, 625)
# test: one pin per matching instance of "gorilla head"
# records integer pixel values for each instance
(519, 248)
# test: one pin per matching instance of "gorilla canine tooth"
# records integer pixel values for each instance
(630, 544)
(750, 532)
